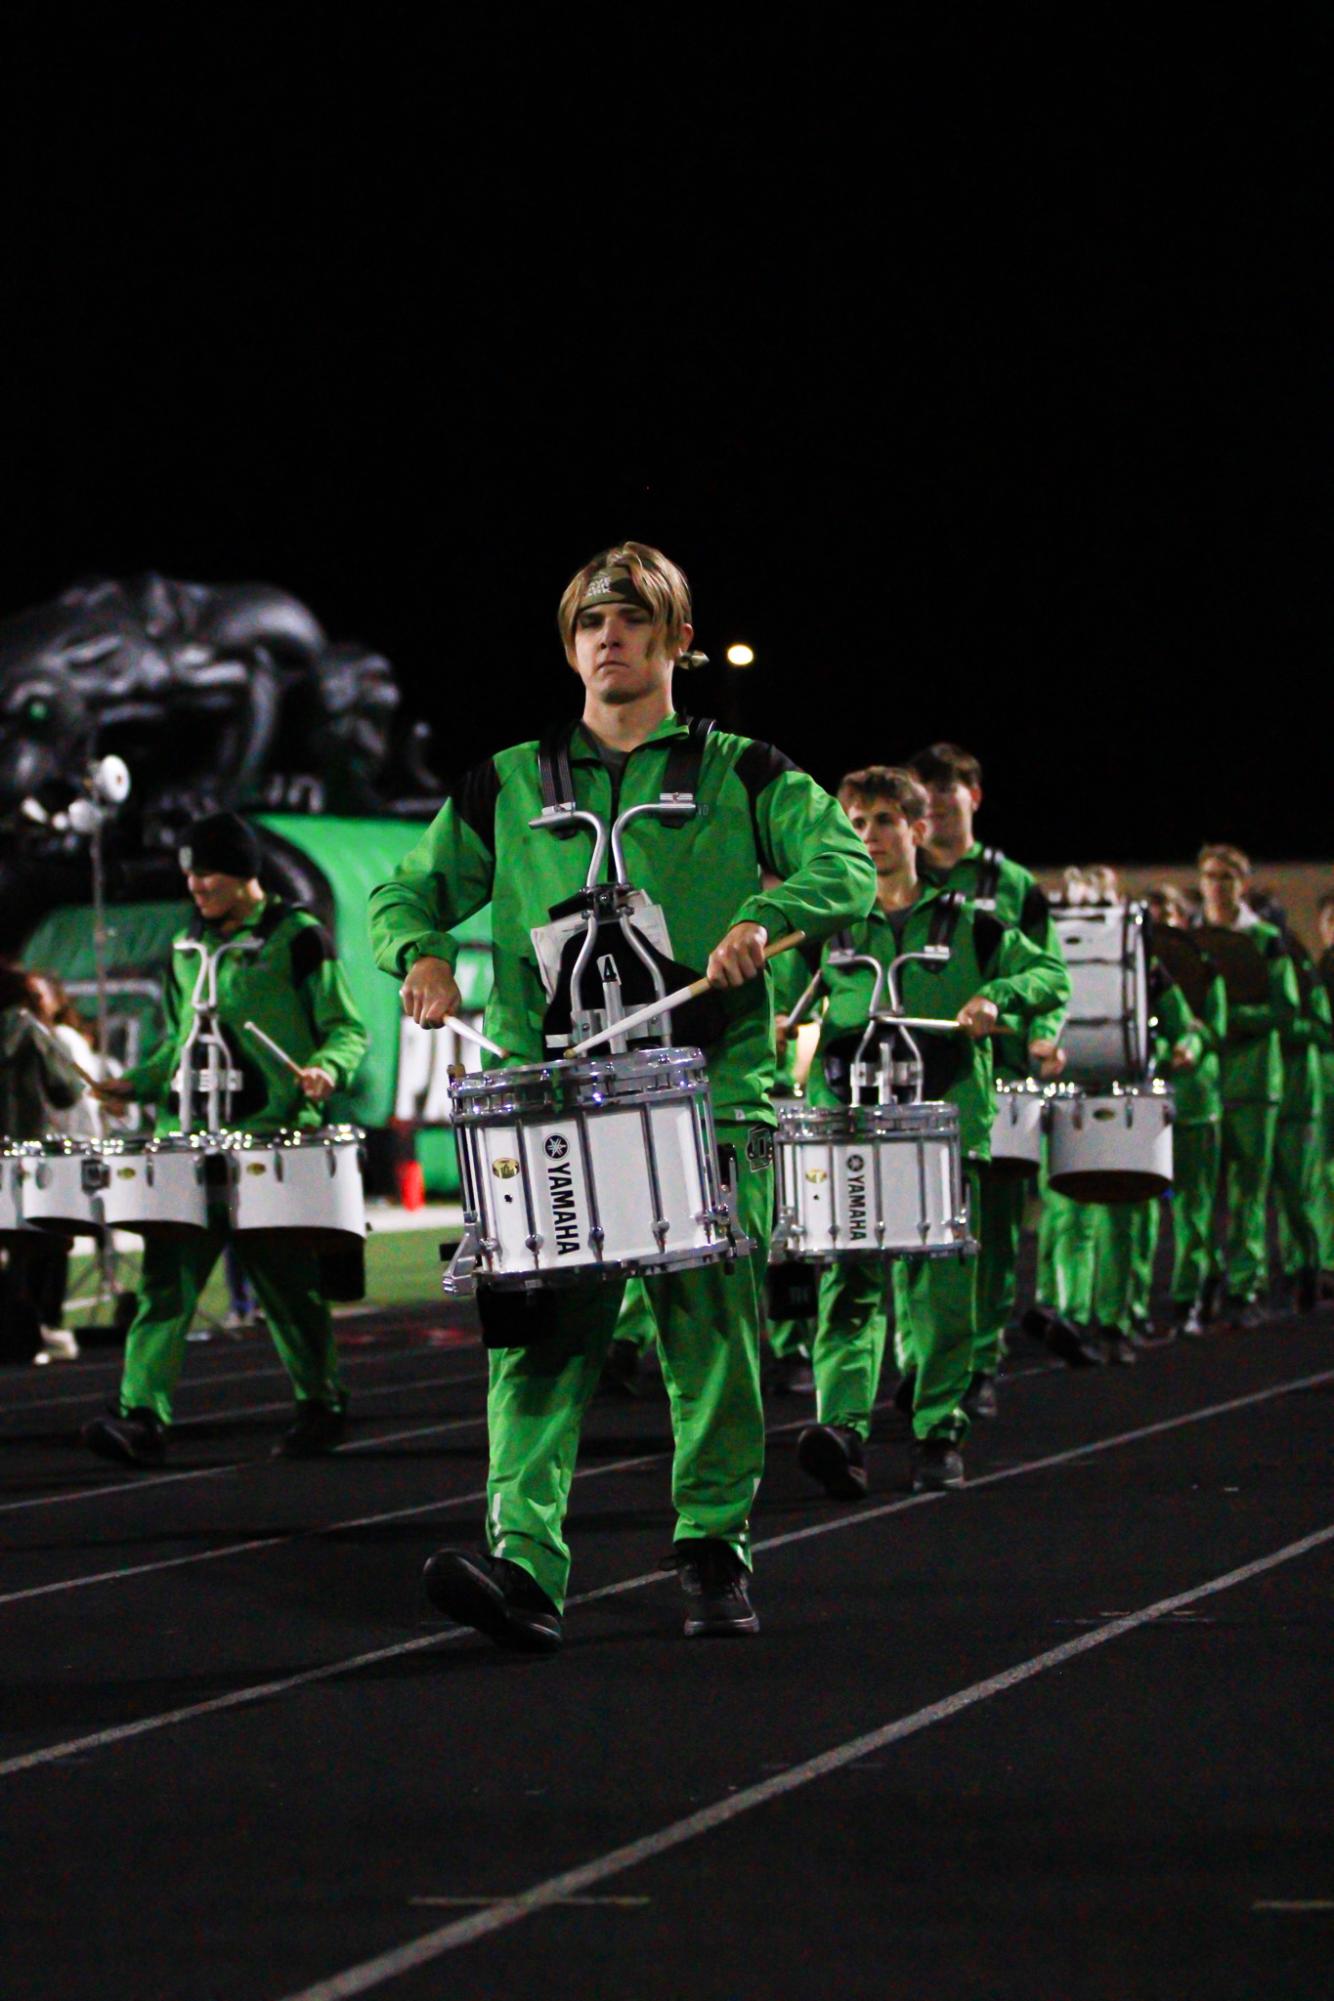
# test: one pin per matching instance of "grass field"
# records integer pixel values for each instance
(402, 1269)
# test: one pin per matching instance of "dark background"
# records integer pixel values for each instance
(978, 374)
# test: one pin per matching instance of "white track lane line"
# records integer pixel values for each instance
(122, 1732)
(574, 1882)
(204, 1382)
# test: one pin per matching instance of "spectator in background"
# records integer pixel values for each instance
(37, 1079)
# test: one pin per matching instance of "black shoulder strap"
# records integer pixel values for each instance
(553, 767)
(944, 918)
(681, 778)
(841, 941)
(988, 875)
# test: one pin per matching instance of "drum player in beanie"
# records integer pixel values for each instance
(625, 624)
(275, 966)
(993, 974)
(954, 858)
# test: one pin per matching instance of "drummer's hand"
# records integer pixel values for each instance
(1049, 1058)
(114, 1092)
(1183, 1058)
(978, 1017)
(430, 992)
(738, 957)
(316, 1083)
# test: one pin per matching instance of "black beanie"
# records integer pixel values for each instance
(220, 844)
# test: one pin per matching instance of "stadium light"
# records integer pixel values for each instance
(741, 656)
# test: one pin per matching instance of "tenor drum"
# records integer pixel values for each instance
(61, 1187)
(1016, 1130)
(302, 1187)
(1115, 1147)
(1106, 1033)
(870, 1180)
(588, 1167)
(12, 1157)
(156, 1187)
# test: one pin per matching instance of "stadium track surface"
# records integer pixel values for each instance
(1145, 1815)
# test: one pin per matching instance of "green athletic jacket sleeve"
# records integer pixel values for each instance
(1178, 1030)
(448, 875)
(1249, 1020)
(340, 1032)
(1026, 982)
(808, 839)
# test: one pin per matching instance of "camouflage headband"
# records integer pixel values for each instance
(613, 586)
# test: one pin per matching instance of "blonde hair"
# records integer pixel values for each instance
(1232, 859)
(657, 579)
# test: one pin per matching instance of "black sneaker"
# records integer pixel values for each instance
(1246, 1314)
(620, 1371)
(714, 1580)
(833, 1455)
(789, 1375)
(316, 1430)
(1188, 1324)
(139, 1438)
(937, 1463)
(904, 1391)
(497, 1597)
(979, 1399)
(1077, 1347)
(1118, 1348)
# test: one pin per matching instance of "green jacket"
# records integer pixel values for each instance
(1325, 974)
(986, 957)
(1262, 1008)
(756, 810)
(35, 1074)
(1305, 1041)
(991, 880)
(286, 980)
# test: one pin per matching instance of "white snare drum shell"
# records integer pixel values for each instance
(1016, 1130)
(1112, 1148)
(61, 1185)
(887, 1187)
(305, 1187)
(11, 1192)
(156, 1188)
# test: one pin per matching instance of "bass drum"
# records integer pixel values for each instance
(1112, 1148)
(1016, 1130)
(1106, 1033)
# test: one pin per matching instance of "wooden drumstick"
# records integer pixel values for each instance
(473, 1034)
(274, 1048)
(682, 994)
(73, 1061)
(915, 1021)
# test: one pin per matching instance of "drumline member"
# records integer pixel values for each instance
(1252, 1085)
(1298, 1178)
(1325, 970)
(1198, 1111)
(625, 624)
(275, 966)
(993, 974)
(954, 859)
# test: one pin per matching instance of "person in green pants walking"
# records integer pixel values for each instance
(1197, 1122)
(275, 966)
(1263, 1007)
(625, 625)
(954, 859)
(1325, 971)
(1298, 1190)
(993, 973)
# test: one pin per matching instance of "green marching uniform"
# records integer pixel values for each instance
(1298, 1141)
(1125, 1234)
(757, 811)
(1263, 1006)
(935, 1299)
(992, 882)
(1325, 971)
(1196, 1122)
(790, 976)
(286, 979)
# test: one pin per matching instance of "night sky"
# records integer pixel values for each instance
(980, 378)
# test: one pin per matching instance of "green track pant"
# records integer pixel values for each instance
(286, 1279)
(1246, 1166)
(1124, 1241)
(997, 1225)
(1067, 1236)
(635, 1322)
(1298, 1195)
(708, 1329)
(1196, 1151)
(935, 1309)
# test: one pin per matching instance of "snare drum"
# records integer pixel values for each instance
(156, 1187)
(859, 1181)
(1111, 1148)
(302, 1186)
(61, 1187)
(1016, 1130)
(1106, 1033)
(588, 1167)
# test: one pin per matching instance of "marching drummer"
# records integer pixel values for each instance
(625, 624)
(1263, 1004)
(953, 858)
(274, 966)
(1198, 1110)
(994, 974)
